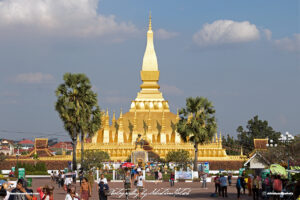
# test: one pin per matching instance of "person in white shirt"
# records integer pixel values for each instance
(103, 179)
(72, 195)
(140, 184)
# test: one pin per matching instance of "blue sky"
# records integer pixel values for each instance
(241, 55)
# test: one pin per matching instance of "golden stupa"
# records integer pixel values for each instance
(149, 115)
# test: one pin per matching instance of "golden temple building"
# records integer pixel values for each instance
(150, 116)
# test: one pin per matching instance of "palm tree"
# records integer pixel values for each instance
(197, 123)
(78, 109)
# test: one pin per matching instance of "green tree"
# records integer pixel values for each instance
(94, 159)
(78, 108)
(231, 145)
(284, 153)
(180, 157)
(255, 128)
(197, 123)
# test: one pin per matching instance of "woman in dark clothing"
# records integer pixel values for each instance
(102, 188)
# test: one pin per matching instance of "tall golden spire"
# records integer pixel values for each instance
(150, 59)
(114, 118)
(150, 76)
(150, 23)
(107, 119)
(121, 121)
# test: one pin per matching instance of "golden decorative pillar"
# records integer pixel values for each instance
(163, 136)
(121, 129)
(106, 128)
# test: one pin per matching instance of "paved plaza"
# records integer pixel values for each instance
(193, 190)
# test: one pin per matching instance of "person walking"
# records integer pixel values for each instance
(229, 179)
(127, 184)
(204, 177)
(267, 185)
(59, 179)
(159, 176)
(238, 187)
(277, 185)
(156, 175)
(140, 185)
(249, 185)
(172, 179)
(255, 188)
(91, 179)
(62, 180)
(103, 188)
(85, 189)
(217, 185)
(243, 182)
(80, 176)
(223, 184)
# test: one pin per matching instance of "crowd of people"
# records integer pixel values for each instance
(254, 186)
(269, 187)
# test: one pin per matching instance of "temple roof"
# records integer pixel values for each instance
(260, 143)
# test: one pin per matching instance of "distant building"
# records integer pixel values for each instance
(286, 137)
(6, 147)
(257, 161)
(26, 144)
(61, 147)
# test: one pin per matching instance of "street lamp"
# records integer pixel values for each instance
(286, 139)
(271, 144)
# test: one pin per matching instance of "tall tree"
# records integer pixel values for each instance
(255, 128)
(231, 145)
(78, 108)
(197, 123)
(180, 157)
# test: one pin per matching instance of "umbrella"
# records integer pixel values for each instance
(127, 165)
(278, 169)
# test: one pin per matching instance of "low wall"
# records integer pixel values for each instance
(225, 165)
(51, 164)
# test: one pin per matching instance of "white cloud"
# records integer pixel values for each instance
(34, 78)
(163, 34)
(226, 32)
(291, 44)
(171, 90)
(62, 17)
(268, 34)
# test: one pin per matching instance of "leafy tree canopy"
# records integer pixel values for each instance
(284, 153)
(181, 156)
(94, 159)
(197, 123)
(255, 128)
(231, 145)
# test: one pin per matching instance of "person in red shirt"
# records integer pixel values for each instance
(217, 185)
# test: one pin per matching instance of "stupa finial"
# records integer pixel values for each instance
(121, 114)
(150, 23)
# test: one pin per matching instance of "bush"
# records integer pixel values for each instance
(109, 177)
(37, 173)
(151, 177)
(38, 167)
